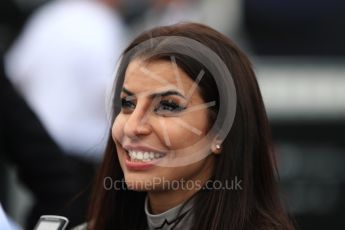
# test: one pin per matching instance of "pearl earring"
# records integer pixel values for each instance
(218, 146)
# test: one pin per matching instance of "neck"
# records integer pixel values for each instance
(161, 201)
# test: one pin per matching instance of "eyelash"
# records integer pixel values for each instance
(169, 106)
(127, 104)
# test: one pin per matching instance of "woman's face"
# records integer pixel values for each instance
(162, 119)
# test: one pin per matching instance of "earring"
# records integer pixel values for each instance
(218, 146)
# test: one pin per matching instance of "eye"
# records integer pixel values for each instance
(127, 104)
(168, 106)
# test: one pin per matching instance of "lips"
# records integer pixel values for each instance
(142, 157)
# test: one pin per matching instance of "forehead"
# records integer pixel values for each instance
(154, 75)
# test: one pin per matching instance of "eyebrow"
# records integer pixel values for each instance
(158, 94)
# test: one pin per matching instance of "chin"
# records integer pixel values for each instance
(138, 182)
(143, 183)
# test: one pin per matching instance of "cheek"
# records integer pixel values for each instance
(186, 130)
(117, 128)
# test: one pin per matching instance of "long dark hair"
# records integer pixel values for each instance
(246, 154)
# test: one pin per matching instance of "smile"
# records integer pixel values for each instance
(144, 156)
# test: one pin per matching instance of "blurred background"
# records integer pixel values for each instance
(297, 49)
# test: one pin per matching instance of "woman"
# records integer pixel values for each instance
(172, 161)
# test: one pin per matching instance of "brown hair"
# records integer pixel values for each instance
(247, 151)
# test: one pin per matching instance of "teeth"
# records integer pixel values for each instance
(139, 155)
(144, 156)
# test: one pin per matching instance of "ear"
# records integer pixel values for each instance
(216, 146)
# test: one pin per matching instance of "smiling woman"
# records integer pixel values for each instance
(190, 144)
(147, 133)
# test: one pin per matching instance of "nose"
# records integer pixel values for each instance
(137, 124)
